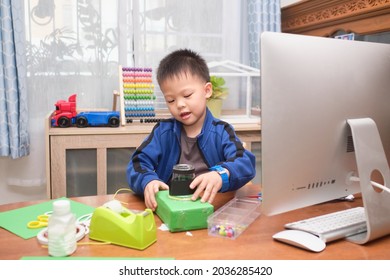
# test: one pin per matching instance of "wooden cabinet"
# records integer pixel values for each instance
(96, 144)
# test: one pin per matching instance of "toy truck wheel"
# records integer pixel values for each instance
(63, 122)
(82, 122)
(113, 121)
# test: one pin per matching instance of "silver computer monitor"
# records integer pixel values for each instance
(310, 86)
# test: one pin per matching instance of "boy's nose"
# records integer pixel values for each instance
(180, 103)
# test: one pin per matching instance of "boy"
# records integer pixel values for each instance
(192, 136)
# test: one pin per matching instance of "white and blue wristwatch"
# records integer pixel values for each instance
(224, 175)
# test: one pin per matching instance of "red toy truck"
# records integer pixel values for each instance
(66, 115)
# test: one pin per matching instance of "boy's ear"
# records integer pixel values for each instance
(208, 88)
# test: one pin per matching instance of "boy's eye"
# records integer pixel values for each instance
(188, 95)
(170, 101)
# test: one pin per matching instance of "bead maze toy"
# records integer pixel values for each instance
(136, 91)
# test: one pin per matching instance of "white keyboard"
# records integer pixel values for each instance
(333, 226)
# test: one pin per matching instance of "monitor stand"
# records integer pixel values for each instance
(370, 156)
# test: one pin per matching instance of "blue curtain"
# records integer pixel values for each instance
(14, 138)
(263, 15)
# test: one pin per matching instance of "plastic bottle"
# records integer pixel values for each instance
(62, 230)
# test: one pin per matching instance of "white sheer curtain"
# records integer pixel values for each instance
(76, 46)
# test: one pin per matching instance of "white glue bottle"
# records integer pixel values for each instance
(61, 230)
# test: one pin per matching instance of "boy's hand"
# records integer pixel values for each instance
(209, 183)
(150, 193)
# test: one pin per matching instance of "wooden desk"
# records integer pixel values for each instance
(254, 243)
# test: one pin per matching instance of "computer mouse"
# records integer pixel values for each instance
(301, 239)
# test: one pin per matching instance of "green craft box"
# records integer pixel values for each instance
(180, 214)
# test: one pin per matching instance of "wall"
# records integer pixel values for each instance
(284, 3)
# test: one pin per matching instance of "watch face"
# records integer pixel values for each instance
(220, 170)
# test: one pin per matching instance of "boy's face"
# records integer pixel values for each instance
(186, 97)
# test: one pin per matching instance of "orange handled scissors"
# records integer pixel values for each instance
(41, 221)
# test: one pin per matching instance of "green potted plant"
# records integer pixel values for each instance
(220, 92)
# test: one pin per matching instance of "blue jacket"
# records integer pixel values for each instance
(160, 151)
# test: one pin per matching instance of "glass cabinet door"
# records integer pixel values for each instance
(117, 161)
(82, 169)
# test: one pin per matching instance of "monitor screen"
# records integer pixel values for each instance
(310, 86)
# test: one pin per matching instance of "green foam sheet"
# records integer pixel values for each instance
(16, 220)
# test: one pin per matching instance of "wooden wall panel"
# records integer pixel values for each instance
(324, 18)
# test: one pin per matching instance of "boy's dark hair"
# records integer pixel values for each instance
(182, 61)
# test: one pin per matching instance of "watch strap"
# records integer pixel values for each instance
(224, 175)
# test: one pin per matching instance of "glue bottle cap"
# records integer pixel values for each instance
(61, 206)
